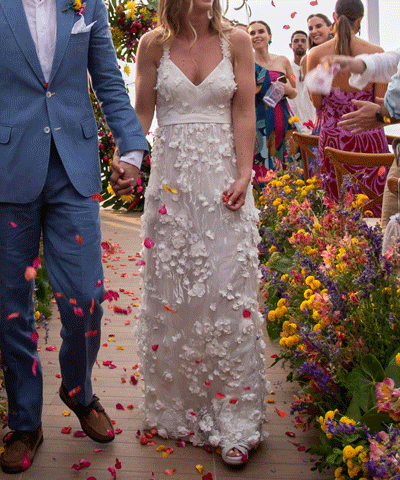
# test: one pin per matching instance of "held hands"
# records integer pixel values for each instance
(124, 176)
(234, 198)
(362, 119)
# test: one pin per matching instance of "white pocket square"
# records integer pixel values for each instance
(80, 27)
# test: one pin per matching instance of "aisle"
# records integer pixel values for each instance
(280, 457)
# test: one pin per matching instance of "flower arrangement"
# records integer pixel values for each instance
(75, 5)
(128, 22)
(332, 300)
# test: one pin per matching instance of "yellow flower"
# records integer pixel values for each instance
(347, 421)
(316, 315)
(77, 5)
(398, 359)
(308, 293)
(110, 190)
(317, 327)
(277, 202)
(280, 311)
(272, 249)
(338, 473)
(126, 198)
(127, 70)
(281, 302)
(293, 119)
(284, 278)
(368, 213)
(303, 306)
(37, 315)
(348, 453)
(271, 316)
(131, 5)
(361, 199)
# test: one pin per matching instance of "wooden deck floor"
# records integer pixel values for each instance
(277, 458)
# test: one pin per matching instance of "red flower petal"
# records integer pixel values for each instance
(286, 27)
(12, 316)
(148, 243)
(163, 210)
(13, 224)
(154, 348)
(79, 239)
(117, 464)
(219, 395)
(170, 471)
(26, 462)
(281, 413)
(314, 3)
(78, 312)
(246, 313)
(74, 391)
(293, 14)
(113, 472)
(34, 337)
(79, 434)
(119, 406)
(30, 274)
(37, 263)
(66, 430)
(97, 197)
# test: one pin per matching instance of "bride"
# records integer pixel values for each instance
(198, 328)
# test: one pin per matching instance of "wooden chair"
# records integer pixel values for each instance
(305, 142)
(341, 158)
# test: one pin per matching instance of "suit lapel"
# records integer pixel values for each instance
(65, 21)
(15, 13)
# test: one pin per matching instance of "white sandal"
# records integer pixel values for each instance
(239, 460)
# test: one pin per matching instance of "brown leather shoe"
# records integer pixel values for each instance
(94, 420)
(20, 450)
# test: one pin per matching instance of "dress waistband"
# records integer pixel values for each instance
(195, 118)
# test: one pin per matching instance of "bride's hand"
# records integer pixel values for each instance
(235, 197)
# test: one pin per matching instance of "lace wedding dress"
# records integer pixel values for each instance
(198, 328)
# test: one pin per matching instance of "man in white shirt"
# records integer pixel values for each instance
(50, 172)
(301, 105)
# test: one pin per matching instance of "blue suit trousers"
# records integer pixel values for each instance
(70, 226)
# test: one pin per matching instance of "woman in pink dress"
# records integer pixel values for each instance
(348, 15)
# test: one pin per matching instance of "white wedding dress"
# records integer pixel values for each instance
(199, 327)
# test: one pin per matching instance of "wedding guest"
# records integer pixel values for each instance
(272, 123)
(348, 15)
(319, 32)
(50, 171)
(198, 328)
(301, 105)
(378, 67)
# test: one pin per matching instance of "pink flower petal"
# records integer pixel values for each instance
(13, 224)
(80, 434)
(163, 210)
(119, 406)
(117, 464)
(26, 462)
(148, 243)
(113, 472)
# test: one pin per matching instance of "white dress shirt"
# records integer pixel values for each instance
(42, 20)
(302, 105)
(382, 68)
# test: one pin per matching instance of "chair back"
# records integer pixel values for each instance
(305, 142)
(341, 159)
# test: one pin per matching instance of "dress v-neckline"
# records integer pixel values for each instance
(206, 78)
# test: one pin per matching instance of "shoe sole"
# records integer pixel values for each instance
(19, 469)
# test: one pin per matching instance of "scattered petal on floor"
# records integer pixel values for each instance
(281, 413)
(67, 429)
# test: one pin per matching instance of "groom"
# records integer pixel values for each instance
(49, 172)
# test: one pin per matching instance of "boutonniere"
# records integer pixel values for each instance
(75, 5)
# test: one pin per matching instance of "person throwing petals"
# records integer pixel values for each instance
(199, 327)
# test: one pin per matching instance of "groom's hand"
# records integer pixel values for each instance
(124, 176)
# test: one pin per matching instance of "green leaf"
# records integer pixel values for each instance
(372, 367)
(393, 370)
(360, 388)
(280, 263)
(354, 411)
(374, 420)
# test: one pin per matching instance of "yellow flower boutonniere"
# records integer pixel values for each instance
(76, 5)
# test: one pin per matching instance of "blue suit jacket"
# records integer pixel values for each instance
(31, 112)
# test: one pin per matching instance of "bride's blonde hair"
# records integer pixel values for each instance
(170, 15)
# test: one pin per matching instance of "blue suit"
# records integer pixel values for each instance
(49, 170)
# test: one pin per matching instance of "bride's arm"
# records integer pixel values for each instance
(243, 115)
(147, 58)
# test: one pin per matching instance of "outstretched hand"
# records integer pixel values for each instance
(124, 176)
(362, 119)
(235, 197)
